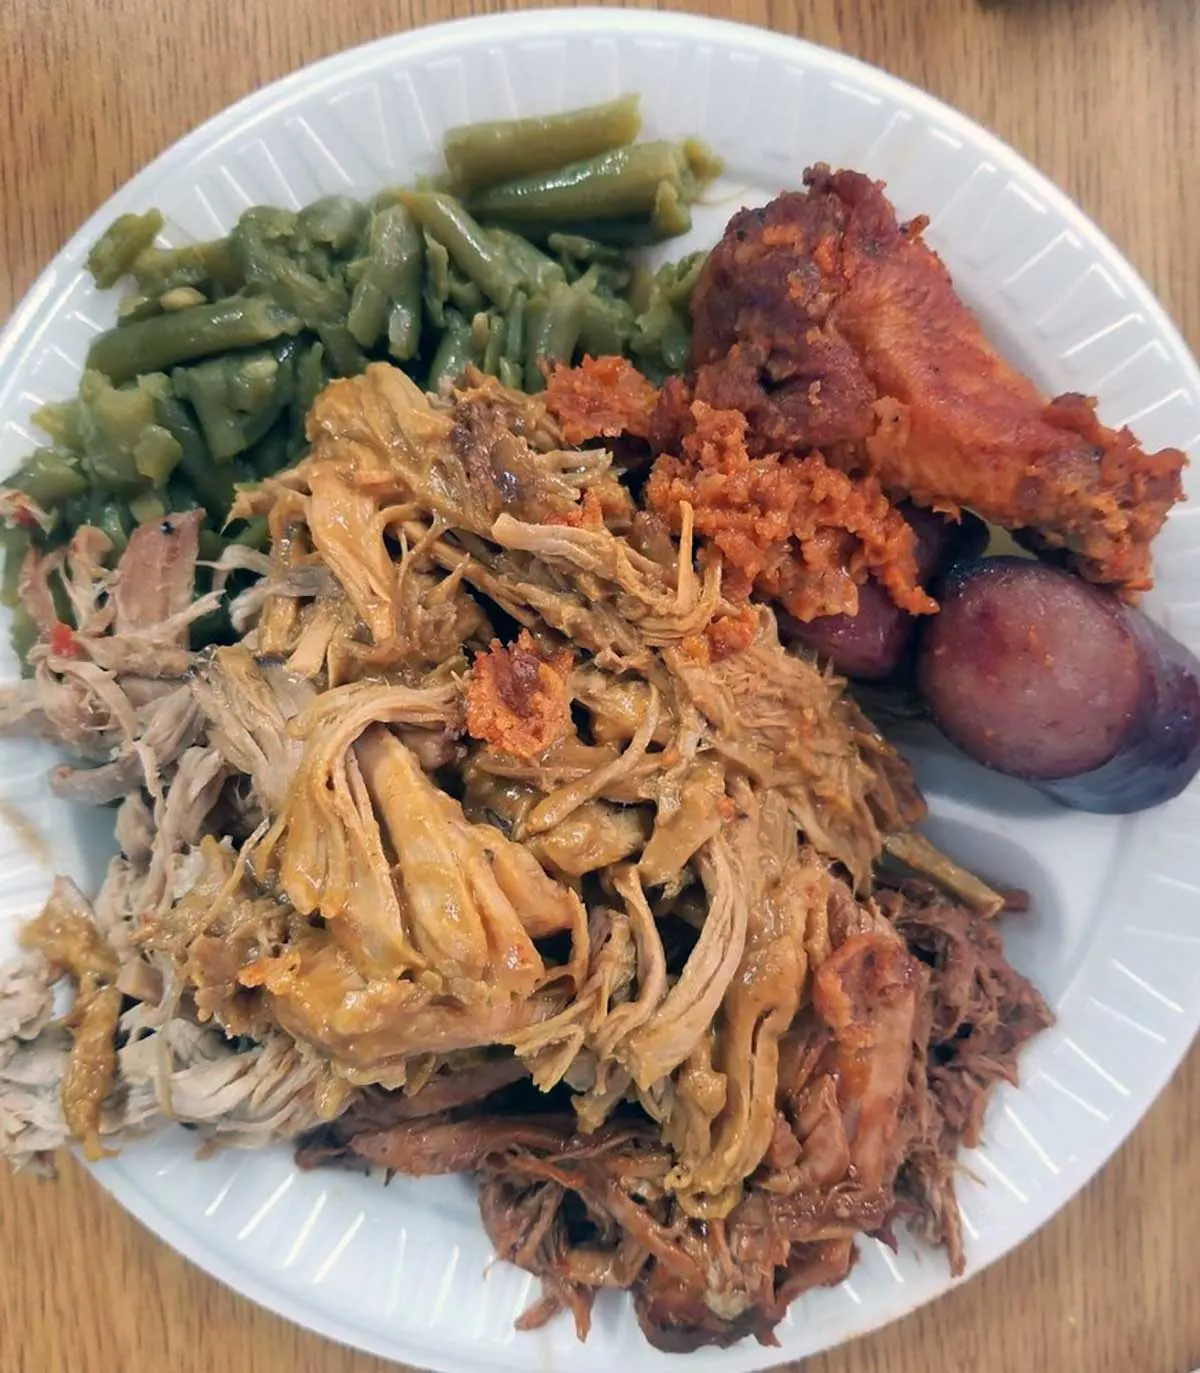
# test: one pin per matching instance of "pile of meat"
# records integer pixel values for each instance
(504, 842)
(836, 371)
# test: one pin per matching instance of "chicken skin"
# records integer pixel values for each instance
(832, 326)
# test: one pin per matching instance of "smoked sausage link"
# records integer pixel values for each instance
(1034, 672)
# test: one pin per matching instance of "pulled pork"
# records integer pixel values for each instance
(506, 841)
(874, 1086)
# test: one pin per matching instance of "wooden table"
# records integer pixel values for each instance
(1103, 96)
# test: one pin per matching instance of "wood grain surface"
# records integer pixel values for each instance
(1103, 96)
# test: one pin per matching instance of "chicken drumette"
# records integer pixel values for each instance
(832, 326)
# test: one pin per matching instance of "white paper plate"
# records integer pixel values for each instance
(1114, 937)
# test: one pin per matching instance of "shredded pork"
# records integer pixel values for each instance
(505, 841)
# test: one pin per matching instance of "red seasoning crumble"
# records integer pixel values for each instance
(63, 642)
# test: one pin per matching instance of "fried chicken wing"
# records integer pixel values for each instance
(831, 325)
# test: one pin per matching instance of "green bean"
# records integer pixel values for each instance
(114, 252)
(181, 298)
(212, 545)
(480, 155)
(453, 352)
(622, 234)
(343, 353)
(111, 422)
(255, 533)
(337, 222)
(270, 222)
(665, 351)
(404, 330)
(15, 543)
(678, 279)
(532, 378)
(270, 454)
(157, 454)
(578, 255)
(236, 398)
(310, 378)
(181, 497)
(493, 349)
(152, 345)
(158, 270)
(197, 473)
(703, 164)
(618, 183)
(262, 246)
(113, 519)
(436, 290)
(22, 634)
(612, 281)
(473, 251)
(662, 337)
(384, 199)
(511, 374)
(641, 288)
(578, 248)
(147, 508)
(388, 292)
(538, 271)
(670, 215)
(514, 328)
(60, 419)
(606, 326)
(137, 307)
(204, 386)
(554, 323)
(479, 333)
(464, 295)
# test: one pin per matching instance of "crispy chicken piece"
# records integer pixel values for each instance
(830, 325)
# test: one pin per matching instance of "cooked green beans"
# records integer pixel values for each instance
(480, 155)
(624, 181)
(205, 265)
(236, 398)
(50, 477)
(211, 484)
(336, 223)
(388, 293)
(454, 352)
(554, 324)
(260, 246)
(537, 270)
(221, 347)
(152, 345)
(115, 251)
(15, 543)
(479, 257)
(661, 339)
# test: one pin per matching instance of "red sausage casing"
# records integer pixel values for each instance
(1034, 672)
(871, 645)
